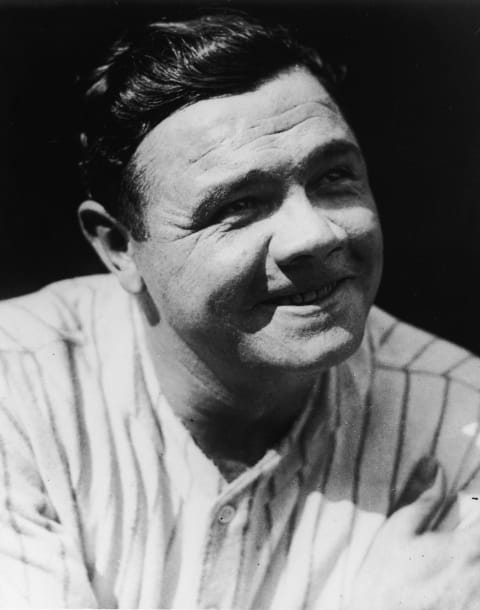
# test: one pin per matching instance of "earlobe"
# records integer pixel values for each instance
(112, 242)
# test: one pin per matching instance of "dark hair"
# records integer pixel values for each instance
(162, 67)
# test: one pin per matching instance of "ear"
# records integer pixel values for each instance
(112, 242)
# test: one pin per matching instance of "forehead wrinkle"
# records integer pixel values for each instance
(152, 150)
(281, 121)
(265, 147)
(262, 134)
(234, 124)
(218, 138)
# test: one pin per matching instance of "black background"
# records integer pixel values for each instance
(413, 92)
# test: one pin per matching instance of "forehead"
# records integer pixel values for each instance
(275, 125)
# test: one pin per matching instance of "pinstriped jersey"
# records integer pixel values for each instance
(106, 500)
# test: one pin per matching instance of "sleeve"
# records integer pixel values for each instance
(41, 559)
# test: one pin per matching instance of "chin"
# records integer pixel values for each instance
(318, 352)
(328, 349)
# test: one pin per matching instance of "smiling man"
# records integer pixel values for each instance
(231, 424)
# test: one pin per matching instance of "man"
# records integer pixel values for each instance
(235, 426)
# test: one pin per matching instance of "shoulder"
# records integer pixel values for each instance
(426, 391)
(397, 345)
(67, 364)
(60, 312)
(55, 344)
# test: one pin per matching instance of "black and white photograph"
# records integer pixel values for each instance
(239, 304)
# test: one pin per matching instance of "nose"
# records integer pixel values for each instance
(302, 230)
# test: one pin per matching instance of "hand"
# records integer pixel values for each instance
(410, 568)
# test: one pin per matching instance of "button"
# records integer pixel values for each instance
(226, 514)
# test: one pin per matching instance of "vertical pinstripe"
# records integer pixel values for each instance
(11, 519)
(95, 464)
(438, 427)
(243, 558)
(399, 446)
(64, 463)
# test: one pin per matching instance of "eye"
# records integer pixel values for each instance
(241, 210)
(336, 179)
(239, 206)
(338, 174)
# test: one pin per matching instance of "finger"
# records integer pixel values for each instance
(415, 518)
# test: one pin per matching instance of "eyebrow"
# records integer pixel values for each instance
(331, 150)
(324, 153)
(216, 194)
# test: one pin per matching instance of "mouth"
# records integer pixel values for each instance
(310, 297)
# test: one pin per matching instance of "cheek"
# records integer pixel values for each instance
(365, 235)
(233, 263)
(203, 272)
(367, 249)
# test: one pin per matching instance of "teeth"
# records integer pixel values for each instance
(305, 298)
(326, 289)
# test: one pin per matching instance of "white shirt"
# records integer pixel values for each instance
(105, 499)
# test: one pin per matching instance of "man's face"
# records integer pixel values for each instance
(264, 246)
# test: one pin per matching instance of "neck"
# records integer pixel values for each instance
(231, 424)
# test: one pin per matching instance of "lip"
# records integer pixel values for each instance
(308, 298)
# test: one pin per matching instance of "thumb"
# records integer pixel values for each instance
(421, 499)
